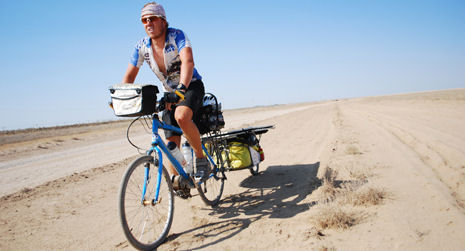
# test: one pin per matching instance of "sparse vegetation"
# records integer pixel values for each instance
(329, 186)
(358, 174)
(353, 150)
(330, 214)
(361, 196)
(336, 205)
(335, 217)
(324, 248)
(370, 196)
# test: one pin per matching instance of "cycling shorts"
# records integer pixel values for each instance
(193, 99)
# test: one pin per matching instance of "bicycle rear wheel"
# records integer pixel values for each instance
(211, 190)
(145, 222)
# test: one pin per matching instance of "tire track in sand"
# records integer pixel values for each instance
(426, 151)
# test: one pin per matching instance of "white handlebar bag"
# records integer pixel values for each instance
(133, 100)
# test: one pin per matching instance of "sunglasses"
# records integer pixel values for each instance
(147, 20)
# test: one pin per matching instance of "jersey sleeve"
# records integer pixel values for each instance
(137, 58)
(182, 40)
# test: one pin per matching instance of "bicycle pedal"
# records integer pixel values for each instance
(180, 183)
(184, 194)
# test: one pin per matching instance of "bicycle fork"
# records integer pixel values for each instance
(158, 162)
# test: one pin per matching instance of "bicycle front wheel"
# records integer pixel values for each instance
(146, 220)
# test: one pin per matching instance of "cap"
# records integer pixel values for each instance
(153, 9)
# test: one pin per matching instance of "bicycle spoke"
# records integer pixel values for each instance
(145, 224)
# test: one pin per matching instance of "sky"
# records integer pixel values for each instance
(58, 58)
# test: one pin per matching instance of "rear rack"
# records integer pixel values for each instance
(240, 132)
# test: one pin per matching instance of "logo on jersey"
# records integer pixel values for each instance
(169, 48)
(147, 59)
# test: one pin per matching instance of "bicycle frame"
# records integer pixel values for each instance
(159, 146)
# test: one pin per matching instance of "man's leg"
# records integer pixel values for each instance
(179, 184)
(183, 116)
(177, 140)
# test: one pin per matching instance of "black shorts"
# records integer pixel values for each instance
(193, 99)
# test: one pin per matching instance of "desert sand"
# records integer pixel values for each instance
(374, 173)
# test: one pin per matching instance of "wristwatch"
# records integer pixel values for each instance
(181, 87)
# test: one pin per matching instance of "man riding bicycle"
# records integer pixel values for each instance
(168, 53)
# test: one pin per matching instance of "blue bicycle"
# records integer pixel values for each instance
(146, 196)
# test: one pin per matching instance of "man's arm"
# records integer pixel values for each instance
(131, 74)
(187, 65)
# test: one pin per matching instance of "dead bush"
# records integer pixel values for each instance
(328, 187)
(361, 196)
(334, 217)
(353, 150)
(325, 248)
(369, 196)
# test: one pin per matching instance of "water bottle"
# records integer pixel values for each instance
(187, 152)
(173, 148)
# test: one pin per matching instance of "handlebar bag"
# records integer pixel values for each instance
(133, 100)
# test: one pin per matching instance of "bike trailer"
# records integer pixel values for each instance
(133, 100)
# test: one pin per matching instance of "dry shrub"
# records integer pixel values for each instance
(324, 248)
(314, 233)
(329, 185)
(358, 174)
(370, 196)
(329, 176)
(352, 150)
(332, 216)
(361, 197)
(357, 171)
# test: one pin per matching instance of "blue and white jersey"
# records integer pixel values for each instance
(176, 40)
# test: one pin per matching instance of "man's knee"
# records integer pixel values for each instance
(183, 114)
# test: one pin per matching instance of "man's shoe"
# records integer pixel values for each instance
(181, 187)
(184, 193)
(203, 169)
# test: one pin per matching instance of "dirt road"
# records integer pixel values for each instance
(400, 164)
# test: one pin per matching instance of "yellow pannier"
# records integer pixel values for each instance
(239, 155)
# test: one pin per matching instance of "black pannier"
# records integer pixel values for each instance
(133, 100)
(209, 118)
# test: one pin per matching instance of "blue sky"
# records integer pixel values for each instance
(59, 57)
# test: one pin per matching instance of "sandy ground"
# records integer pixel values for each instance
(400, 164)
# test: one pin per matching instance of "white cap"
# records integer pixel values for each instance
(153, 9)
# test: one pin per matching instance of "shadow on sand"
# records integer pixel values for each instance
(276, 192)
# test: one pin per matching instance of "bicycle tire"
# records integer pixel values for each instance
(160, 214)
(211, 190)
(254, 169)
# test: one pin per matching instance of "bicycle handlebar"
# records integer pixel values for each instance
(179, 94)
(167, 98)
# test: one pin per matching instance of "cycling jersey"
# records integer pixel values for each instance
(175, 41)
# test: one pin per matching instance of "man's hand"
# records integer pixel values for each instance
(173, 98)
(182, 89)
